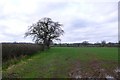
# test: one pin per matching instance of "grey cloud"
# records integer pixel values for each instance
(78, 23)
(50, 7)
(56, 6)
(90, 28)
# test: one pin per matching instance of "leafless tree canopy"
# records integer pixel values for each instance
(44, 31)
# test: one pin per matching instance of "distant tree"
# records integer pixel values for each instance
(110, 44)
(84, 43)
(14, 42)
(103, 43)
(118, 43)
(45, 31)
(97, 44)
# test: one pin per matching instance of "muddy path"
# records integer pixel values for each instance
(95, 68)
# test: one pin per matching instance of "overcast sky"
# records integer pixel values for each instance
(83, 20)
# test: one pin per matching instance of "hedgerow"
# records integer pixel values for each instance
(12, 50)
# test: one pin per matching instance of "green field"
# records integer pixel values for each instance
(66, 62)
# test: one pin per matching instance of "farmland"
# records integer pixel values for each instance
(67, 62)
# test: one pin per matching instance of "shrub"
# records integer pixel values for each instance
(11, 50)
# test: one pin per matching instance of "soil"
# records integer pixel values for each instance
(93, 69)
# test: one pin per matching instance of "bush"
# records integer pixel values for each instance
(12, 50)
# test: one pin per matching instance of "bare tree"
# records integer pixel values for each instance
(45, 31)
(85, 43)
(103, 43)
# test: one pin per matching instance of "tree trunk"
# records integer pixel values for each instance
(44, 44)
(48, 45)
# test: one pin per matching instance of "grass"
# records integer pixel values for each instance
(58, 62)
(13, 61)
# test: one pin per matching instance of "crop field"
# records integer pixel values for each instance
(68, 62)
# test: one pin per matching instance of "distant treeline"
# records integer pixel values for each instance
(11, 50)
(86, 44)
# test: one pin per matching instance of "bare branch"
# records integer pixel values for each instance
(45, 30)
